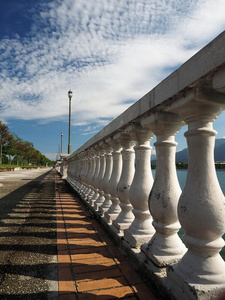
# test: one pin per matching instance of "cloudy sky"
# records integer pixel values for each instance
(109, 52)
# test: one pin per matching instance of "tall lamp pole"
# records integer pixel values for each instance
(61, 141)
(70, 94)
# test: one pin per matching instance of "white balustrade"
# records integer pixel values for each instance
(145, 216)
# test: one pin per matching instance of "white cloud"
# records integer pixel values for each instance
(109, 52)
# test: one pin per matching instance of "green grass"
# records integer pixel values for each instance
(19, 166)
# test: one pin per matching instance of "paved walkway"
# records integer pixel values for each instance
(90, 265)
(51, 248)
(28, 235)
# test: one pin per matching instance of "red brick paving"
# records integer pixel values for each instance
(89, 264)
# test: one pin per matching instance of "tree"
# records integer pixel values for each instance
(4, 133)
(12, 145)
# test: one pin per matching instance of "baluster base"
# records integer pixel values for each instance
(106, 204)
(99, 201)
(103, 210)
(90, 196)
(136, 240)
(110, 217)
(120, 227)
(124, 219)
(141, 230)
(207, 284)
(113, 211)
(118, 232)
(164, 250)
(94, 198)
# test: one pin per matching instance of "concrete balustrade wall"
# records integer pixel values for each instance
(112, 174)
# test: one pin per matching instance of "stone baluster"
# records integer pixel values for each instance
(201, 208)
(141, 229)
(86, 175)
(165, 247)
(78, 169)
(109, 165)
(80, 163)
(92, 157)
(101, 173)
(83, 174)
(112, 205)
(63, 169)
(72, 174)
(69, 171)
(95, 194)
(105, 175)
(75, 174)
(125, 217)
(87, 170)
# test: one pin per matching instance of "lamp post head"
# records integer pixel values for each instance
(61, 134)
(70, 94)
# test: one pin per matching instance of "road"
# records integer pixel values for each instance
(28, 252)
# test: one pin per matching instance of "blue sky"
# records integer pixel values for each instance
(109, 52)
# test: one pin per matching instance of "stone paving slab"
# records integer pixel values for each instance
(89, 264)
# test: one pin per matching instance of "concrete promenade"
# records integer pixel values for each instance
(51, 247)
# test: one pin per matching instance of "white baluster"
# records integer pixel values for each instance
(83, 174)
(125, 217)
(72, 174)
(80, 162)
(107, 174)
(63, 169)
(78, 174)
(92, 155)
(101, 174)
(165, 247)
(96, 176)
(201, 208)
(112, 197)
(75, 174)
(141, 229)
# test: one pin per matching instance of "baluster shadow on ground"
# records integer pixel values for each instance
(28, 251)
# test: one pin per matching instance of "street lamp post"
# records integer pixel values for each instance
(70, 94)
(61, 141)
